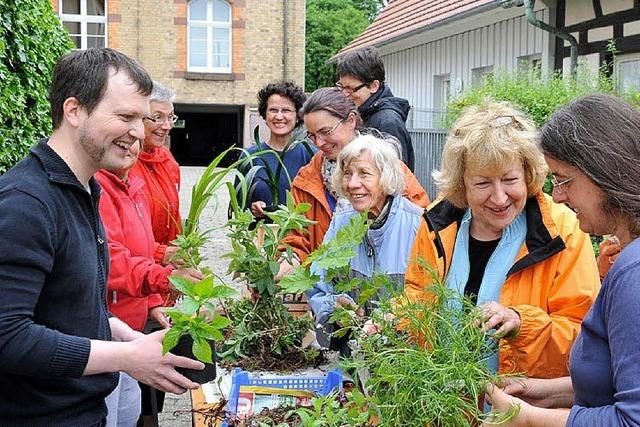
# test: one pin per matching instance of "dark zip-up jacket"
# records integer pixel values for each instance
(53, 270)
(388, 114)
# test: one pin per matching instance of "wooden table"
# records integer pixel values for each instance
(198, 402)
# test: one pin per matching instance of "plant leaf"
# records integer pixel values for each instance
(202, 350)
(171, 338)
(301, 280)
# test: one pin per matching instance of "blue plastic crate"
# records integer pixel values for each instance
(322, 386)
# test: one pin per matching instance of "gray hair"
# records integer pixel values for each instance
(600, 135)
(385, 156)
(161, 93)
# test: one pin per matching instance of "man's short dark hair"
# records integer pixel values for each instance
(364, 64)
(84, 74)
(288, 90)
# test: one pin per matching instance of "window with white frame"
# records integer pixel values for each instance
(442, 91)
(209, 36)
(479, 75)
(531, 63)
(628, 73)
(86, 21)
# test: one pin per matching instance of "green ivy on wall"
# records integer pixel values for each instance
(31, 41)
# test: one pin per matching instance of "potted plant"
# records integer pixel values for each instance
(195, 322)
(426, 363)
(196, 325)
(263, 333)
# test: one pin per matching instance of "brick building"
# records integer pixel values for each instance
(216, 54)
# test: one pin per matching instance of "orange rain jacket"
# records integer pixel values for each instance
(308, 187)
(552, 284)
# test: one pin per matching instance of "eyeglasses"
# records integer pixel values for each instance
(162, 118)
(560, 186)
(283, 111)
(323, 134)
(349, 90)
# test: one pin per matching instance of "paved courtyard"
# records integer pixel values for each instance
(177, 408)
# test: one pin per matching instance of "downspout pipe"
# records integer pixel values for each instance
(531, 17)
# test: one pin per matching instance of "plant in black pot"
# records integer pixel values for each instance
(196, 325)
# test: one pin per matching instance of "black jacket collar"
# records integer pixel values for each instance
(540, 244)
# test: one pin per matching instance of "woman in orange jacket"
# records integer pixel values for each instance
(332, 122)
(498, 239)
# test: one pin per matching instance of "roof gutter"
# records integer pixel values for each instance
(531, 17)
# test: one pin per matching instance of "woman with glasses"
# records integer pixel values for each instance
(581, 142)
(280, 157)
(161, 175)
(499, 240)
(362, 79)
(332, 122)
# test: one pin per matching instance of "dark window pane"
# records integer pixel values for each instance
(72, 7)
(72, 27)
(95, 42)
(76, 40)
(95, 7)
(95, 29)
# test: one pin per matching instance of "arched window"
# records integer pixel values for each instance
(209, 36)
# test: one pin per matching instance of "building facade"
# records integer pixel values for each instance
(432, 50)
(216, 55)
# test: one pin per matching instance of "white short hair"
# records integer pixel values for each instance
(385, 157)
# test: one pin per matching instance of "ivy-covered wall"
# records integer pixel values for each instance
(31, 41)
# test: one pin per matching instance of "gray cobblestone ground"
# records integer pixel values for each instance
(176, 408)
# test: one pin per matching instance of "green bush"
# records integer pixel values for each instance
(31, 41)
(536, 94)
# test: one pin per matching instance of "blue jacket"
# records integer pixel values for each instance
(53, 270)
(386, 249)
(296, 156)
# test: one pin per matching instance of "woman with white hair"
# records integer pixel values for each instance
(370, 176)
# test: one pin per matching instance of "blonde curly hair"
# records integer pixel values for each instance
(491, 136)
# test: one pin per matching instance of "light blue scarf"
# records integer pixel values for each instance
(495, 273)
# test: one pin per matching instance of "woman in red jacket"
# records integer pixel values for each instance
(137, 285)
(160, 172)
(161, 175)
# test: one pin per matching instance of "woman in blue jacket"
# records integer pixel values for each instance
(369, 178)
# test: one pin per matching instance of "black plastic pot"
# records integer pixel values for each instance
(184, 348)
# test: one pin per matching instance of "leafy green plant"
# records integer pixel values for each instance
(191, 240)
(427, 363)
(31, 42)
(332, 256)
(538, 94)
(197, 316)
(263, 332)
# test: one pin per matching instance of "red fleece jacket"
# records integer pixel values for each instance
(135, 279)
(161, 175)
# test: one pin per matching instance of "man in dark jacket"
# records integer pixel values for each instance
(361, 78)
(58, 349)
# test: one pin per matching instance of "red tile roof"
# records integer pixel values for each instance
(400, 17)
